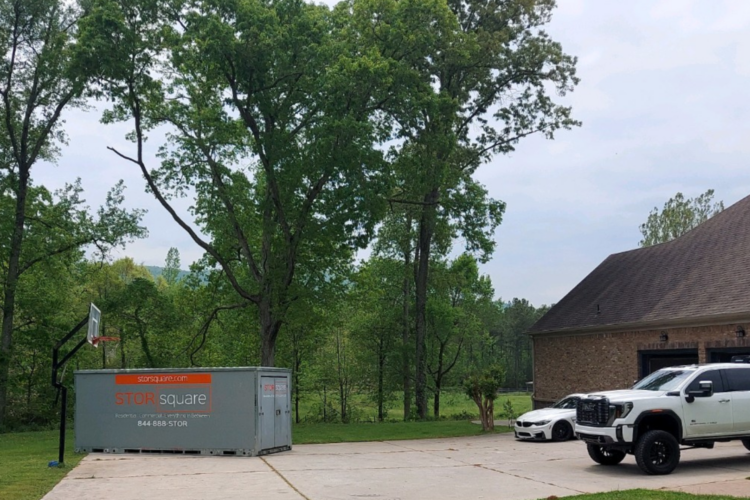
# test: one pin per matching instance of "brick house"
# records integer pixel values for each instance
(681, 302)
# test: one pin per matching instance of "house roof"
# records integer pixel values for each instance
(701, 275)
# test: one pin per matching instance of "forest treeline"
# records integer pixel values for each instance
(302, 134)
(344, 344)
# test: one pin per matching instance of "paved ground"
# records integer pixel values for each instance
(491, 467)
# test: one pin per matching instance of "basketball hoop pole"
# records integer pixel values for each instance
(59, 385)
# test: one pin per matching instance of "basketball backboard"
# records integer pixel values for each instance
(95, 316)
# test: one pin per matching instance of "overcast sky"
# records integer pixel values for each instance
(663, 101)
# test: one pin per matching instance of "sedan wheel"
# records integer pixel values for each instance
(562, 431)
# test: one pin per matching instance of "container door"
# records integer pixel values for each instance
(266, 412)
(283, 413)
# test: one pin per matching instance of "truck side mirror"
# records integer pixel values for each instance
(705, 390)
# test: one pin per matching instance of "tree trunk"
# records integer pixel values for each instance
(490, 415)
(297, 366)
(123, 361)
(436, 403)
(381, 369)
(269, 331)
(405, 367)
(144, 341)
(426, 231)
(438, 382)
(9, 289)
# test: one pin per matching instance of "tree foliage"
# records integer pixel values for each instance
(302, 133)
(485, 85)
(39, 79)
(678, 216)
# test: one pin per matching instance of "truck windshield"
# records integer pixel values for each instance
(663, 380)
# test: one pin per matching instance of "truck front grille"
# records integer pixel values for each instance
(593, 411)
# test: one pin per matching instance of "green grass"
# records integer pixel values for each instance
(346, 433)
(646, 495)
(453, 404)
(24, 457)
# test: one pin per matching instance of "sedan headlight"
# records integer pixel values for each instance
(541, 422)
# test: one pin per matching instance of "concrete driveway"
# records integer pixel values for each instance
(492, 467)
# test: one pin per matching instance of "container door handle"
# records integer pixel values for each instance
(278, 412)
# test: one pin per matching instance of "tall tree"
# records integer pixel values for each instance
(39, 78)
(457, 295)
(272, 112)
(172, 266)
(678, 216)
(485, 86)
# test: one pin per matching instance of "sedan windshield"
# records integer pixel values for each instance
(663, 380)
(567, 403)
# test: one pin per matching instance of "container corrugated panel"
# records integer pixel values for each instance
(215, 411)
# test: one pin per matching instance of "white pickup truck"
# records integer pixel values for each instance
(693, 406)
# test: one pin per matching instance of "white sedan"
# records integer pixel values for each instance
(554, 423)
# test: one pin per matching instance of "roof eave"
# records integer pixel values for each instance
(695, 321)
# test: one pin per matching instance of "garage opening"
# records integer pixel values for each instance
(724, 354)
(650, 361)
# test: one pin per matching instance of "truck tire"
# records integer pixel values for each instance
(604, 456)
(561, 431)
(657, 453)
(746, 443)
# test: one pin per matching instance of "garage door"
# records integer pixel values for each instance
(724, 355)
(650, 361)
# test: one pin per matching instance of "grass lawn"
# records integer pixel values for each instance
(453, 404)
(647, 495)
(342, 433)
(24, 457)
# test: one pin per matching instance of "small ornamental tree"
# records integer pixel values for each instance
(482, 387)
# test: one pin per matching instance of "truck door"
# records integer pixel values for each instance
(738, 380)
(707, 416)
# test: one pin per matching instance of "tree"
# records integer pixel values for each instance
(483, 87)
(482, 387)
(39, 78)
(453, 316)
(678, 217)
(271, 108)
(171, 270)
(376, 299)
(36, 86)
(511, 343)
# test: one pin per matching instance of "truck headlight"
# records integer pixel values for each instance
(622, 409)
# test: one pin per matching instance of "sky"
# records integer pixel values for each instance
(664, 103)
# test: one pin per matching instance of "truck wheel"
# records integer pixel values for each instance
(561, 431)
(604, 456)
(657, 453)
(746, 443)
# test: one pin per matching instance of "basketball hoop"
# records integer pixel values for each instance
(96, 340)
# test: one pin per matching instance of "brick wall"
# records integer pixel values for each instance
(594, 362)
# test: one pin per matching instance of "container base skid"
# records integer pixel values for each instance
(209, 452)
